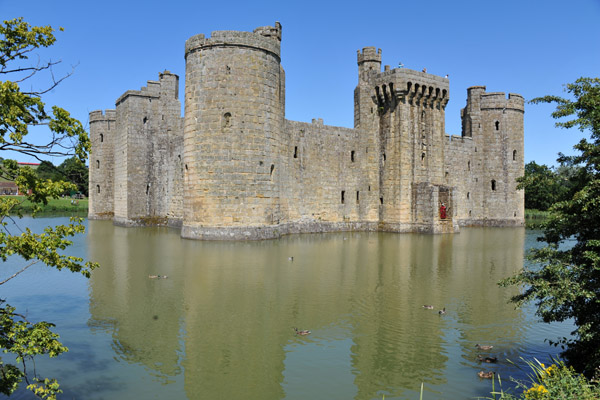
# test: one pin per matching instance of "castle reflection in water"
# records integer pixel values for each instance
(225, 315)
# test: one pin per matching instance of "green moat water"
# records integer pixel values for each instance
(221, 326)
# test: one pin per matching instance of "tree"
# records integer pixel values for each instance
(20, 110)
(47, 170)
(542, 186)
(566, 282)
(75, 171)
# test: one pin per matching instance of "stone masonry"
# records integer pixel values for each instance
(234, 168)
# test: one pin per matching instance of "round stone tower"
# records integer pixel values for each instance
(233, 122)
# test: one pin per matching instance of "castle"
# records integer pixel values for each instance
(234, 168)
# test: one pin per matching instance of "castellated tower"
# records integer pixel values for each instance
(496, 128)
(486, 160)
(401, 112)
(103, 127)
(233, 120)
(145, 159)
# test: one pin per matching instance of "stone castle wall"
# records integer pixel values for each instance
(323, 176)
(235, 168)
(142, 154)
(103, 127)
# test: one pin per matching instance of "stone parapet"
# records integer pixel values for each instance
(256, 40)
(498, 100)
(102, 115)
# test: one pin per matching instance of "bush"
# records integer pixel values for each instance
(554, 382)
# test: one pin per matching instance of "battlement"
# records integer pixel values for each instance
(103, 115)
(498, 100)
(168, 83)
(411, 85)
(270, 31)
(264, 38)
(368, 54)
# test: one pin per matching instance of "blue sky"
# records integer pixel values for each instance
(519, 46)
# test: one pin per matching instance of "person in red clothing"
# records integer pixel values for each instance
(443, 211)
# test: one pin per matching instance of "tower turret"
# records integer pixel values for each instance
(103, 128)
(369, 62)
(233, 122)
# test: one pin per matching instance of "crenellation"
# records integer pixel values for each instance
(234, 168)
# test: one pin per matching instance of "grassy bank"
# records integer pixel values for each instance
(534, 218)
(54, 205)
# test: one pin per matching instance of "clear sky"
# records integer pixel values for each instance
(518, 46)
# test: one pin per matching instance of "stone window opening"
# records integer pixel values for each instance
(343, 194)
(357, 197)
(352, 156)
(226, 122)
(295, 151)
(97, 164)
(514, 155)
(369, 188)
(469, 213)
(497, 124)
(514, 214)
(145, 120)
(446, 174)
(272, 169)
(381, 200)
(468, 195)
(493, 184)
(468, 165)
(186, 168)
(102, 137)
(97, 188)
(147, 188)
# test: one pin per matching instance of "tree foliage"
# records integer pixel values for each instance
(47, 170)
(543, 187)
(566, 282)
(19, 111)
(75, 171)
(71, 170)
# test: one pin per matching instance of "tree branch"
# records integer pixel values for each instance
(18, 272)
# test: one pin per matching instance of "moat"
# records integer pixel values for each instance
(221, 326)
